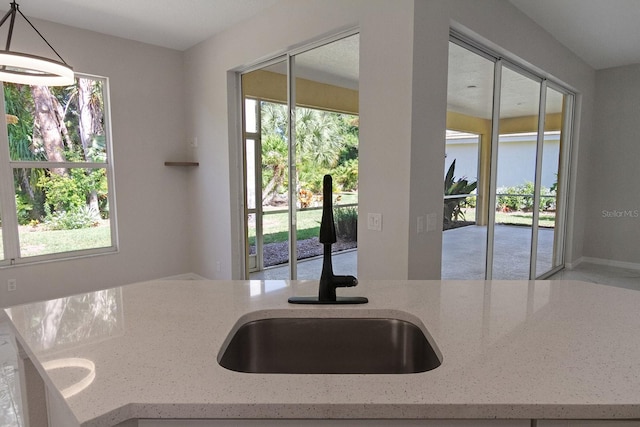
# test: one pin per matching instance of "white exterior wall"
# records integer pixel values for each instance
(516, 160)
(466, 154)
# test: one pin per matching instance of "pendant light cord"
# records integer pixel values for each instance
(15, 8)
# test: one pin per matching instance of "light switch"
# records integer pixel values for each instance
(374, 221)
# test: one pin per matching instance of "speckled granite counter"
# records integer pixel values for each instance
(510, 350)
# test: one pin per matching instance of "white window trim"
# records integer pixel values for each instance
(10, 233)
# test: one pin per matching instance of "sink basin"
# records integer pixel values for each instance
(293, 345)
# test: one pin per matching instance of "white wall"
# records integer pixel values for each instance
(173, 221)
(403, 71)
(147, 98)
(506, 29)
(385, 88)
(613, 208)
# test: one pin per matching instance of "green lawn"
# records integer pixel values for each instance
(35, 242)
(546, 219)
(274, 226)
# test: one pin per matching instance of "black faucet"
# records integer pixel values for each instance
(329, 281)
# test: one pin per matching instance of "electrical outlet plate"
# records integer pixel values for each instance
(431, 222)
(11, 285)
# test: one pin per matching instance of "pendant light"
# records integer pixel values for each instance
(24, 68)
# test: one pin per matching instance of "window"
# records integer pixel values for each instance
(56, 196)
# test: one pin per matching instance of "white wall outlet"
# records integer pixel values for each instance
(432, 220)
(194, 143)
(218, 267)
(420, 224)
(374, 221)
(12, 284)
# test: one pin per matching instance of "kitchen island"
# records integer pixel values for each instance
(511, 350)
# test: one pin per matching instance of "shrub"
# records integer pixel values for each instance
(83, 217)
(23, 208)
(346, 220)
(347, 175)
(508, 199)
(312, 181)
(520, 198)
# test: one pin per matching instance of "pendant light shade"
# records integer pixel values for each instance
(24, 68)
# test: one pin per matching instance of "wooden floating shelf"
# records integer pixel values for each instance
(181, 163)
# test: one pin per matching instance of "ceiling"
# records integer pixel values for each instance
(336, 63)
(602, 32)
(176, 24)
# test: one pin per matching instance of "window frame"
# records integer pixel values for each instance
(8, 212)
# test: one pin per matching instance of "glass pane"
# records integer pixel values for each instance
(275, 187)
(519, 105)
(466, 166)
(266, 162)
(61, 210)
(250, 115)
(327, 134)
(56, 124)
(250, 154)
(251, 230)
(548, 239)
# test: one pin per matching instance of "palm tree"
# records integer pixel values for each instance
(321, 137)
(317, 137)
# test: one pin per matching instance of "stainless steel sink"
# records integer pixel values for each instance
(329, 346)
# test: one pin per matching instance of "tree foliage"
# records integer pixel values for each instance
(456, 187)
(326, 142)
(57, 124)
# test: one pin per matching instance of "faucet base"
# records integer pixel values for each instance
(339, 300)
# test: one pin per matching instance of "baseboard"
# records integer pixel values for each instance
(607, 262)
(185, 276)
(573, 265)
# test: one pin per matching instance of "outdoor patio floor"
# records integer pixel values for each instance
(462, 255)
(463, 252)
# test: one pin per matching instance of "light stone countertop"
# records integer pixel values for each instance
(510, 349)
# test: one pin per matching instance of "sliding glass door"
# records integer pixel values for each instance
(266, 167)
(552, 175)
(300, 123)
(467, 158)
(510, 217)
(515, 168)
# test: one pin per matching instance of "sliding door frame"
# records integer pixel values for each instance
(562, 194)
(289, 57)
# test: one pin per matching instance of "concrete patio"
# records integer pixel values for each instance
(463, 256)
